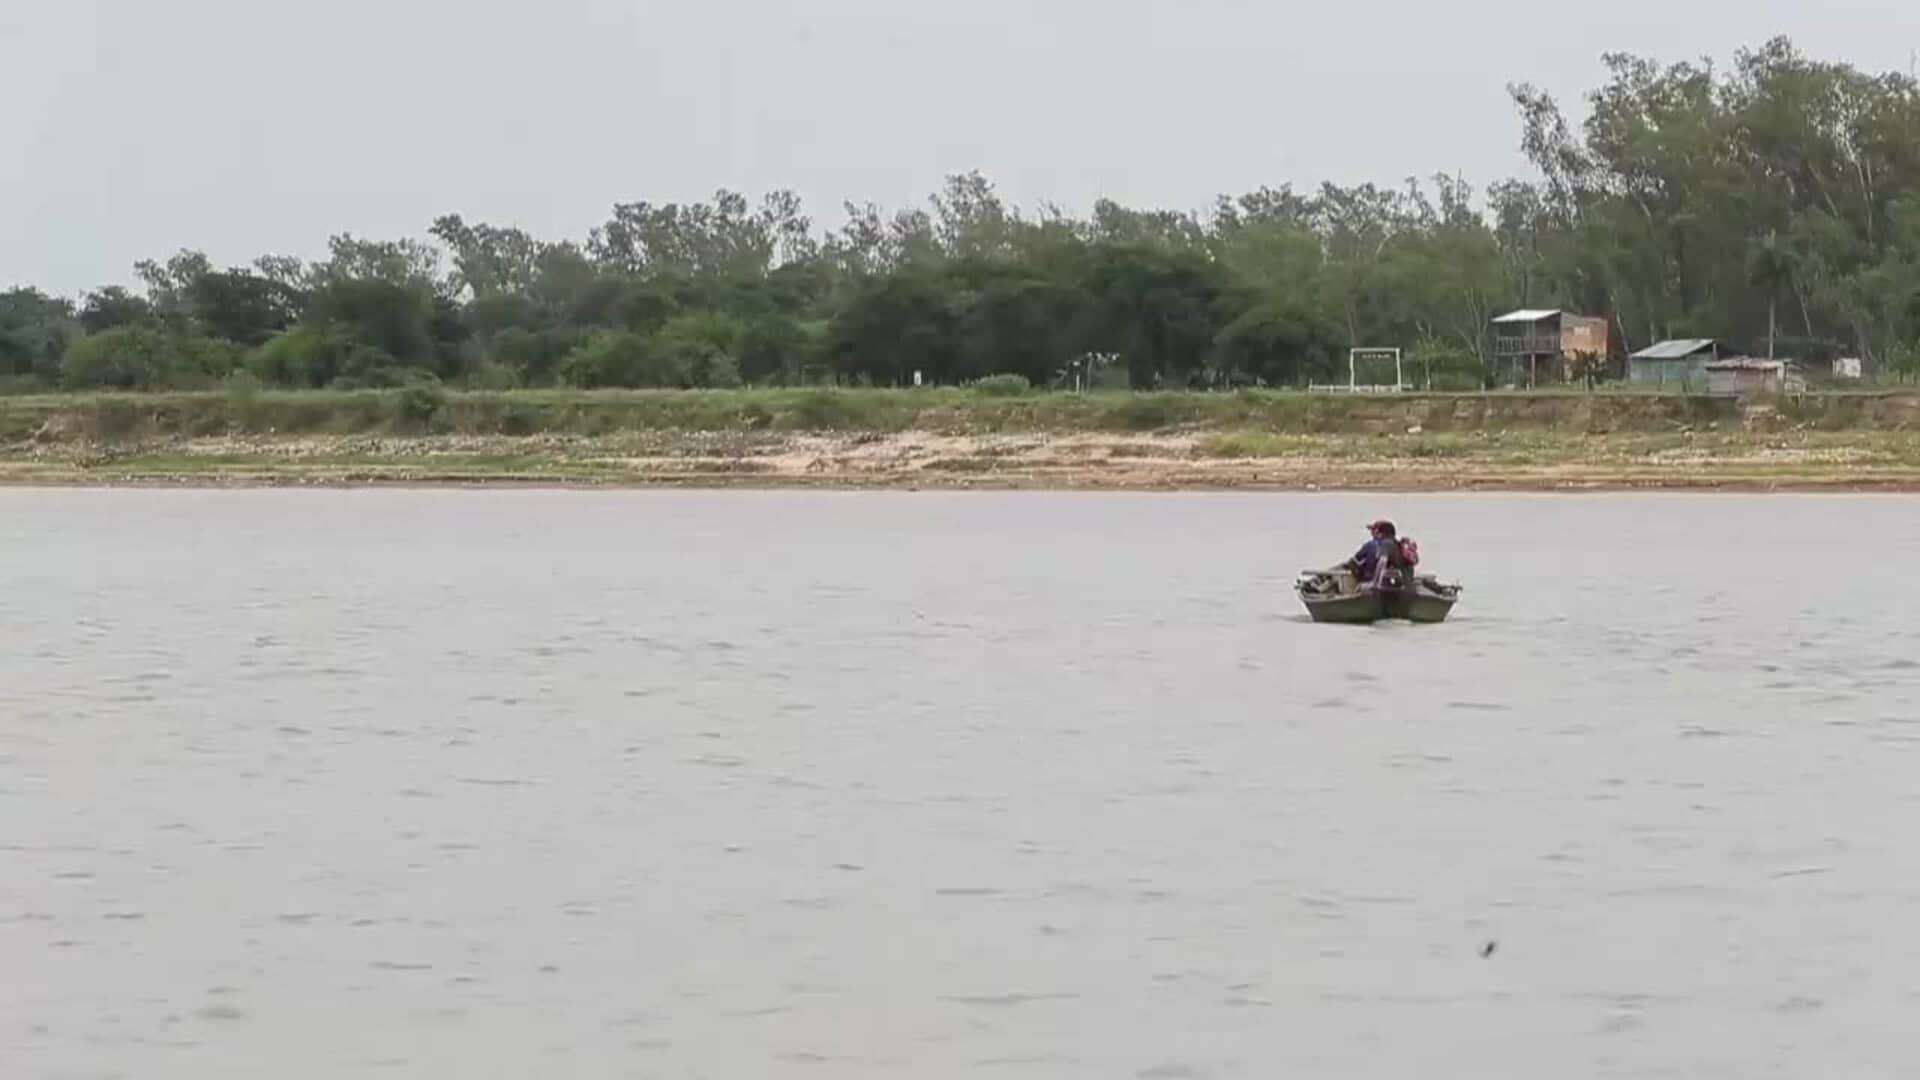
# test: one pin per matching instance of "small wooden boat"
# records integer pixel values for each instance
(1334, 596)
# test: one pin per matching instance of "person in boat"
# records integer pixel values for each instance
(1381, 552)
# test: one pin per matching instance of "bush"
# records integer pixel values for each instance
(307, 356)
(416, 406)
(535, 358)
(1004, 385)
(713, 371)
(1145, 412)
(1449, 367)
(243, 390)
(697, 351)
(609, 359)
(243, 386)
(492, 376)
(1246, 444)
(35, 332)
(520, 420)
(369, 367)
(623, 359)
(821, 410)
(206, 362)
(777, 349)
(143, 358)
(395, 318)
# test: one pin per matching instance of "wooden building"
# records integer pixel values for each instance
(1740, 376)
(1531, 347)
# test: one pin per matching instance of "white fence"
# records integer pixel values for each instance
(1354, 388)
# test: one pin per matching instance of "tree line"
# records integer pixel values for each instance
(1773, 204)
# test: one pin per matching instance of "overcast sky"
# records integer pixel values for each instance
(135, 127)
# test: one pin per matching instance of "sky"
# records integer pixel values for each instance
(135, 128)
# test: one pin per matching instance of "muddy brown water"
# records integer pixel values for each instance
(454, 784)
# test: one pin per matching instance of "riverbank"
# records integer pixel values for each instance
(954, 439)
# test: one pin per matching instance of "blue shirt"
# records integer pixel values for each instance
(1368, 558)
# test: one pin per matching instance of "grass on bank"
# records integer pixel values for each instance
(1431, 462)
(108, 418)
(1546, 447)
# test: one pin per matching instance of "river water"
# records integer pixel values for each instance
(461, 784)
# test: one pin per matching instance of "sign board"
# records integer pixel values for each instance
(1375, 360)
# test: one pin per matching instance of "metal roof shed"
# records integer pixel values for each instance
(1680, 363)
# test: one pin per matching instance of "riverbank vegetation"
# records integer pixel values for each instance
(963, 438)
(110, 418)
(633, 440)
(1773, 203)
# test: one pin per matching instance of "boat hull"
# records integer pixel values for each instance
(1364, 608)
(1335, 599)
(1418, 605)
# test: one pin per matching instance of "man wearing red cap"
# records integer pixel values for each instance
(1377, 554)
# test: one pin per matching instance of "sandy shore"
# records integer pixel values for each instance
(916, 460)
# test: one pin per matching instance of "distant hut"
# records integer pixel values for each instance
(1534, 346)
(1740, 376)
(1681, 363)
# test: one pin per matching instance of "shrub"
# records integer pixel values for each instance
(416, 406)
(1145, 412)
(493, 376)
(519, 420)
(619, 359)
(1245, 444)
(307, 356)
(821, 410)
(373, 369)
(144, 358)
(1004, 385)
(243, 390)
(535, 358)
(697, 350)
(777, 349)
(242, 386)
(714, 371)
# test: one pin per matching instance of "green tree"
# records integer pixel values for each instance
(1281, 313)
(1008, 320)
(700, 349)
(170, 285)
(112, 307)
(534, 356)
(892, 327)
(1157, 308)
(726, 236)
(241, 307)
(779, 349)
(970, 220)
(618, 358)
(489, 261)
(309, 357)
(394, 317)
(35, 330)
